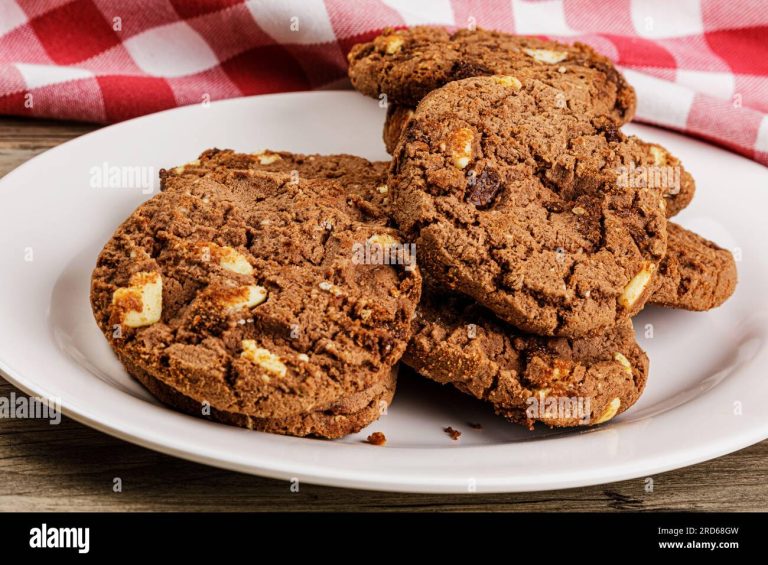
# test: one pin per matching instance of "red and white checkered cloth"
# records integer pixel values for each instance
(699, 66)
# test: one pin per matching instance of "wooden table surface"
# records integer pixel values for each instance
(72, 467)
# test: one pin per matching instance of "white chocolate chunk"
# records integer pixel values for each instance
(393, 44)
(624, 362)
(610, 411)
(508, 80)
(383, 239)
(547, 55)
(264, 358)
(659, 155)
(243, 297)
(635, 287)
(227, 257)
(329, 287)
(267, 157)
(461, 147)
(231, 260)
(140, 304)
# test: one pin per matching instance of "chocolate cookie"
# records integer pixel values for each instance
(638, 162)
(526, 378)
(364, 181)
(367, 180)
(241, 292)
(696, 274)
(405, 65)
(514, 199)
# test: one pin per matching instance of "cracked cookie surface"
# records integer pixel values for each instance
(513, 199)
(641, 161)
(364, 180)
(239, 291)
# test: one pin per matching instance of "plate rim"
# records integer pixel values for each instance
(338, 479)
(384, 483)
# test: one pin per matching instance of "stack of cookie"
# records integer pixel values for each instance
(278, 291)
(541, 227)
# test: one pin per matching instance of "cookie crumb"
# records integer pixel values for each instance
(454, 434)
(377, 438)
(475, 425)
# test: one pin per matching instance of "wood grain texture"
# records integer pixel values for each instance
(70, 467)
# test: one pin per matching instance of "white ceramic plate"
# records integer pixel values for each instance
(706, 396)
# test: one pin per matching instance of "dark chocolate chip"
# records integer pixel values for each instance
(484, 188)
(462, 69)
